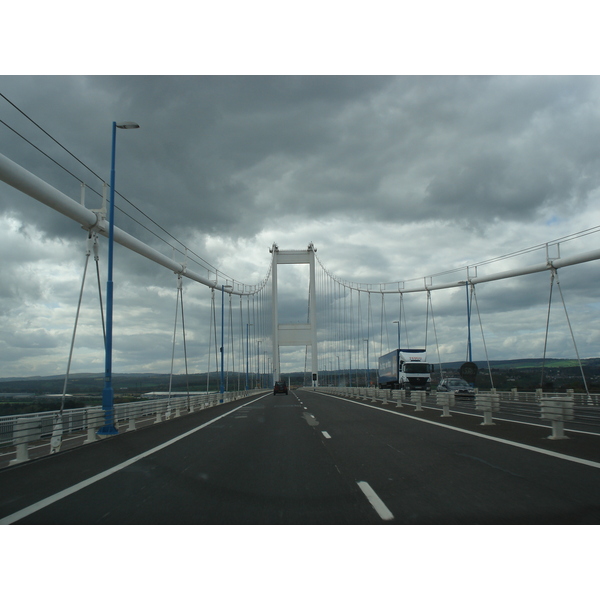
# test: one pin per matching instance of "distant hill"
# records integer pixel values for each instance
(529, 363)
(518, 363)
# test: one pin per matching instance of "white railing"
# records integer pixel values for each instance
(20, 431)
(555, 408)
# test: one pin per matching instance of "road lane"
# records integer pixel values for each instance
(265, 463)
(428, 474)
(306, 458)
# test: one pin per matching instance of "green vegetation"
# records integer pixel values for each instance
(41, 405)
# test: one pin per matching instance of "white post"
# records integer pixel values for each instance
(132, 417)
(558, 431)
(21, 441)
(556, 410)
(95, 419)
(418, 400)
(402, 397)
(487, 403)
(26, 430)
(443, 400)
(158, 412)
(386, 393)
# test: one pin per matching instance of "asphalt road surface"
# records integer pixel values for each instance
(302, 458)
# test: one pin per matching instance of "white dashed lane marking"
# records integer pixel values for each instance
(382, 510)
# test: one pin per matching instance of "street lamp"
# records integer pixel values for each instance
(247, 350)
(368, 371)
(108, 393)
(350, 373)
(229, 288)
(258, 365)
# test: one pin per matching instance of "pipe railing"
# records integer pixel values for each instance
(28, 183)
(579, 409)
(20, 431)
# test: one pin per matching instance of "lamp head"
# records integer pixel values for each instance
(128, 125)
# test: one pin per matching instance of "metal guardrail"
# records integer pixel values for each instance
(20, 431)
(580, 410)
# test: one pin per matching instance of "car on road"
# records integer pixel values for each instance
(459, 386)
(280, 388)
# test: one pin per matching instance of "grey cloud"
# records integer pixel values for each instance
(395, 175)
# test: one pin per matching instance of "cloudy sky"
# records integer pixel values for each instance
(393, 178)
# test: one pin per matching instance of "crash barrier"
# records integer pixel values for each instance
(398, 396)
(487, 403)
(20, 431)
(557, 411)
(445, 400)
(579, 409)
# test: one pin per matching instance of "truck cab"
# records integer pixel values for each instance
(406, 369)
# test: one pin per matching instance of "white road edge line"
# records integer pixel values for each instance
(382, 510)
(581, 461)
(326, 435)
(25, 512)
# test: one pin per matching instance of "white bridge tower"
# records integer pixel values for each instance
(295, 334)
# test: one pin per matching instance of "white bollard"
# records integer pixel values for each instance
(132, 418)
(27, 429)
(487, 403)
(443, 400)
(418, 400)
(386, 394)
(95, 420)
(557, 411)
(398, 395)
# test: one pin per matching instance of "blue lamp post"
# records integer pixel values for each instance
(469, 354)
(108, 393)
(223, 288)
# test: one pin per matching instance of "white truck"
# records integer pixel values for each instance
(405, 369)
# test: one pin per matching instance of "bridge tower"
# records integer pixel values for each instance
(299, 334)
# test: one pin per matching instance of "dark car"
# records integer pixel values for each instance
(280, 388)
(459, 386)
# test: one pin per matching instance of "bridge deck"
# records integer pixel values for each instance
(299, 458)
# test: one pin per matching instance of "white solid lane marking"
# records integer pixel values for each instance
(382, 510)
(326, 435)
(581, 461)
(25, 512)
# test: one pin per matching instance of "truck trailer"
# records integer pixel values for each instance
(405, 369)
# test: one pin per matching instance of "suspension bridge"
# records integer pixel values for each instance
(338, 449)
